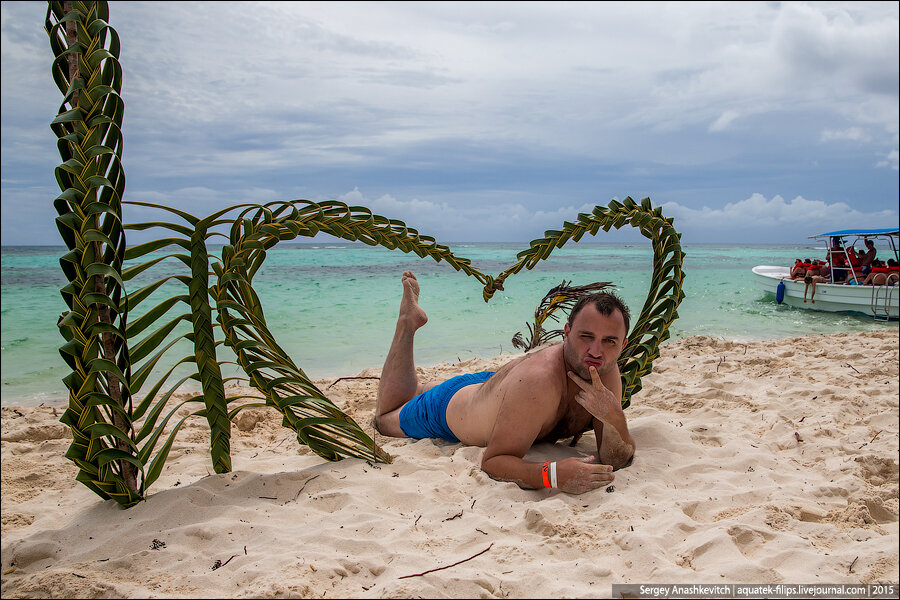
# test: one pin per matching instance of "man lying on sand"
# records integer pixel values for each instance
(553, 393)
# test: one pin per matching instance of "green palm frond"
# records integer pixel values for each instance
(88, 126)
(123, 422)
(661, 307)
(316, 421)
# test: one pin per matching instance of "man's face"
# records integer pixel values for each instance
(594, 340)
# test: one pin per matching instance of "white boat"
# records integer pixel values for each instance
(879, 301)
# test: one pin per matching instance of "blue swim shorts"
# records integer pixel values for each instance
(425, 416)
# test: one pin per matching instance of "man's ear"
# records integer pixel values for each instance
(566, 331)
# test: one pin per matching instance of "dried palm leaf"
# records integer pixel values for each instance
(562, 297)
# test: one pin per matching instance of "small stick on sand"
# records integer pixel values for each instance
(448, 566)
(343, 378)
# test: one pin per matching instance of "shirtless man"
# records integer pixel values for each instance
(554, 393)
(866, 258)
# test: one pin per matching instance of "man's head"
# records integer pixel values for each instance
(870, 244)
(605, 303)
(595, 333)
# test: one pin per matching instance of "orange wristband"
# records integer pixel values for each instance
(545, 471)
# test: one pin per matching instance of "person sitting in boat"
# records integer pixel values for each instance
(882, 274)
(798, 271)
(834, 273)
(812, 280)
(817, 267)
(867, 258)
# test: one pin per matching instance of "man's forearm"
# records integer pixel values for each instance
(504, 467)
(616, 447)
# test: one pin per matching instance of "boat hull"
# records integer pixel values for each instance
(882, 302)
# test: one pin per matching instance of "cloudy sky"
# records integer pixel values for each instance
(746, 121)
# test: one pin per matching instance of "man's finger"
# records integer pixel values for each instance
(601, 468)
(595, 378)
(582, 383)
(603, 475)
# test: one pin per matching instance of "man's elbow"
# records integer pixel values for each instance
(621, 459)
(489, 466)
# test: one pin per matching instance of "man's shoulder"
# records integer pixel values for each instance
(541, 366)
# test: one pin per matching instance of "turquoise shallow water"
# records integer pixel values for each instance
(333, 305)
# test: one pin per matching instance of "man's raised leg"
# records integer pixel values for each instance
(399, 383)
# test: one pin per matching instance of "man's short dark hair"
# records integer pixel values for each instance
(605, 303)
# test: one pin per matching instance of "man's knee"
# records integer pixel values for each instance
(380, 424)
(389, 424)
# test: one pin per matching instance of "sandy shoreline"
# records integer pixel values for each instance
(761, 462)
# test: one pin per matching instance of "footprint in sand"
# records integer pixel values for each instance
(748, 540)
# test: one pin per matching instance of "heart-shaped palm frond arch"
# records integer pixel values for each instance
(665, 294)
(123, 425)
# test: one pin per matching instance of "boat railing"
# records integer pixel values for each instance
(882, 296)
(838, 247)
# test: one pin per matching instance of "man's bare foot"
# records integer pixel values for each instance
(409, 304)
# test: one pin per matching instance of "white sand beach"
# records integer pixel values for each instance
(763, 462)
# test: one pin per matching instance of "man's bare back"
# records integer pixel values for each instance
(473, 410)
(547, 395)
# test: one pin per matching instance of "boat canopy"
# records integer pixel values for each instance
(862, 232)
